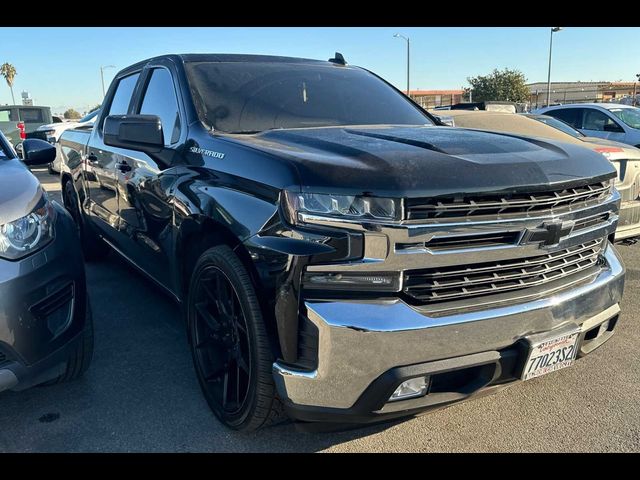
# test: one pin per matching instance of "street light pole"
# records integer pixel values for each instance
(635, 102)
(397, 35)
(102, 76)
(553, 30)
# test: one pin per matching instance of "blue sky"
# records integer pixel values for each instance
(60, 67)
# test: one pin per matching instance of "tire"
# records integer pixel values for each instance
(229, 343)
(80, 359)
(93, 247)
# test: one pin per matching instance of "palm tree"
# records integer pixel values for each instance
(9, 73)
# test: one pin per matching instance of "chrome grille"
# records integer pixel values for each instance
(546, 201)
(452, 283)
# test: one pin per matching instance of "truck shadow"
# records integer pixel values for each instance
(141, 392)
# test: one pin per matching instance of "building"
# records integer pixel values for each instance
(580, 92)
(436, 98)
(26, 99)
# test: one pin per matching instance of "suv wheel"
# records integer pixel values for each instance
(229, 343)
(93, 248)
(80, 359)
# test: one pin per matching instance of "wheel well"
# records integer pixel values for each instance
(209, 234)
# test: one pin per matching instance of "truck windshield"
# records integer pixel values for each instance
(235, 97)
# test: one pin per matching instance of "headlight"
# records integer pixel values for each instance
(350, 207)
(29, 233)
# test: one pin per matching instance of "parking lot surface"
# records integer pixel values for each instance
(141, 393)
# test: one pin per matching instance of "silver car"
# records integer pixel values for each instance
(612, 121)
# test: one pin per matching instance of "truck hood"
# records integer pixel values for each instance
(20, 191)
(417, 161)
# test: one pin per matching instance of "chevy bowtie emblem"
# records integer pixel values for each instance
(549, 233)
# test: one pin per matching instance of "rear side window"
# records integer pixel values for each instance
(572, 116)
(8, 115)
(160, 99)
(32, 115)
(122, 97)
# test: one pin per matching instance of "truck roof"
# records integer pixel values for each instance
(226, 57)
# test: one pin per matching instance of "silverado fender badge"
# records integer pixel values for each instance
(208, 153)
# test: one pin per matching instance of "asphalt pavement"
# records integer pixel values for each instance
(141, 393)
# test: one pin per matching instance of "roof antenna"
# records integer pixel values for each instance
(338, 59)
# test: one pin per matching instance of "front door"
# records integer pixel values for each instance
(144, 210)
(100, 164)
(599, 124)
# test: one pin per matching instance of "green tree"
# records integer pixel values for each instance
(71, 114)
(501, 85)
(9, 73)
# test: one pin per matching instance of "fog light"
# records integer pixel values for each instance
(415, 387)
(387, 282)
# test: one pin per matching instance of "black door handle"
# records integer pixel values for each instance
(123, 167)
(92, 157)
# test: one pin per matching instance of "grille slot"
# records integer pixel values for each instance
(453, 207)
(483, 240)
(53, 302)
(452, 283)
(591, 222)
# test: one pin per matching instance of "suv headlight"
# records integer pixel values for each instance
(29, 233)
(345, 207)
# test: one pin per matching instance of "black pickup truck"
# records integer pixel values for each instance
(339, 255)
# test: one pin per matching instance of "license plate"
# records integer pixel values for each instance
(549, 354)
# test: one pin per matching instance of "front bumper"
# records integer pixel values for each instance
(42, 309)
(366, 348)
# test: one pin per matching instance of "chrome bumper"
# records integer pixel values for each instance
(361, 340)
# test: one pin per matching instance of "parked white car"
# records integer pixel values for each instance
(613, 121)
(52, 131)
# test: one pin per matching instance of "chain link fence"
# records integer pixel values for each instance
(538, 99)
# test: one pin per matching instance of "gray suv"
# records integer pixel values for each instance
(46, 333)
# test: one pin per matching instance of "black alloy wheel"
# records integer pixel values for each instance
(230, 348)
(221, 342)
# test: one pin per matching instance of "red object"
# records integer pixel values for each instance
(23, 134)
(608, 149)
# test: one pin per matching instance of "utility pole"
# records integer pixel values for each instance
(635, 102)
(397, 35)
(553, 30)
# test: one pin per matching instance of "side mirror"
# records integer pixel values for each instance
(37, 152)
(134, 132)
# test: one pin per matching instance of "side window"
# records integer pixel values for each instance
(572, 116)
(160, 99)
(597, 120)
(9, 115)
(122, 97)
